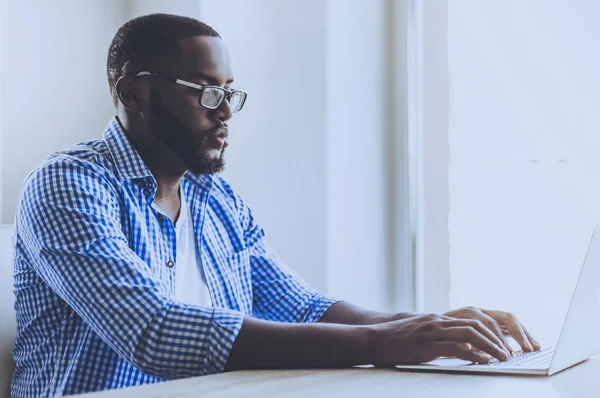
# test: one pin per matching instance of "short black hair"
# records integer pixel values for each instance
(145, 37)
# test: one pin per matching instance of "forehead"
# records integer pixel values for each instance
(202, 55)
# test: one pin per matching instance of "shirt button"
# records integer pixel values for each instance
(150, 184)
(170, 264)
(161, 218)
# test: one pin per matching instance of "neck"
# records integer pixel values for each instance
(166, 168)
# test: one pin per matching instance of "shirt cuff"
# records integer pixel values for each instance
(321, 305)
(225, 327)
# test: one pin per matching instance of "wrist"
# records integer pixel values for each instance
(366, 336)
(384, 318)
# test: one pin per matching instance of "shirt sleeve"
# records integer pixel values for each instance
(279, 293)
(69, 225)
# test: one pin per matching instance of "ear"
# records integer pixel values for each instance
(129, 93)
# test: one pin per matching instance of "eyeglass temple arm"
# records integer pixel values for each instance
(146, 73)
(228, 93)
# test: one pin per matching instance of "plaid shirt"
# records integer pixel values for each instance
(94, 273)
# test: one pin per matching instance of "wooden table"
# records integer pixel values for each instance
(578, 381)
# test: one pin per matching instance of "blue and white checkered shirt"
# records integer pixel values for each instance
(94, 273)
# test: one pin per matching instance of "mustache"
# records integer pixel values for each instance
(220, 131)
(163, 121)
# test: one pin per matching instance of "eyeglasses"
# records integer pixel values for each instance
(211, 97)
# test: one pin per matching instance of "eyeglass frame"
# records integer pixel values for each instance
(201, 87)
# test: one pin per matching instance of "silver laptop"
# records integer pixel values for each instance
(578, 339)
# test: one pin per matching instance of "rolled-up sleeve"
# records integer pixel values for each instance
(279, 293)
(69, 225)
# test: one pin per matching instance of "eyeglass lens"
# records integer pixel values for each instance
(213, 96)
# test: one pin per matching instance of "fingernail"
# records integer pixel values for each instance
(503, 353)
(486, 357)
(529, 346)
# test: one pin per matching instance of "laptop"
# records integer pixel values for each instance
(578, 339)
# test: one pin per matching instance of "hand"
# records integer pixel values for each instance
(500, 323)
(424, 338)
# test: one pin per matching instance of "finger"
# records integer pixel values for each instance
(516, 331)
(467, 334)
(492, 325)
(481, 328)
(498, 316)
(446, 317)
(459, 350)
(537, 346)
(512, 325)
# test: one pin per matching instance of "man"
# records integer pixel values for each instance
(135, 262)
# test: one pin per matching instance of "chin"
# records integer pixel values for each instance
(205, 165)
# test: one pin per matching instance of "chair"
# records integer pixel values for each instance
(8, 321)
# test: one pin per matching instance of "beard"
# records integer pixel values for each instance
(182, 141)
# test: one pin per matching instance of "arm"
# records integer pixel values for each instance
(69, 225)
(422, 338)
(268, 344)
(281, 295)
(348, 314)
(299, 327)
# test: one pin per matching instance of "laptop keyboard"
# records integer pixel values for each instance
(525, 360)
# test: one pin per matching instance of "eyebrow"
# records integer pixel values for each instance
(208, 78)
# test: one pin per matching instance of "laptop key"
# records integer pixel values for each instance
(537, 358)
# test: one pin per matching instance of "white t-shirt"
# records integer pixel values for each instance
(190, 281)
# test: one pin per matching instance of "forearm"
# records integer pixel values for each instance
(264, 344)
(348, 314)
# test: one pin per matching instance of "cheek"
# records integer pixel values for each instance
(195, 115)
(188, 112)
(200, 119)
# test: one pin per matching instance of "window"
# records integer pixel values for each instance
(525, 154)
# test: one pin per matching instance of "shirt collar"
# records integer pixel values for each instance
(130, 164)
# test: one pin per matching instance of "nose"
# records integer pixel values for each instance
(223, 113)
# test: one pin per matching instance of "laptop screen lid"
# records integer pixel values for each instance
(578, 339)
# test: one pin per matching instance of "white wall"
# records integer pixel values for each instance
(357, 134)
(308, 152)
(1, 102)
(524, 172)
(54, 88)
(187, 8)
(276, 158)
(55, 91)
(433, 155)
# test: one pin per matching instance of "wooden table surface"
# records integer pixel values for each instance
(578, 381)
